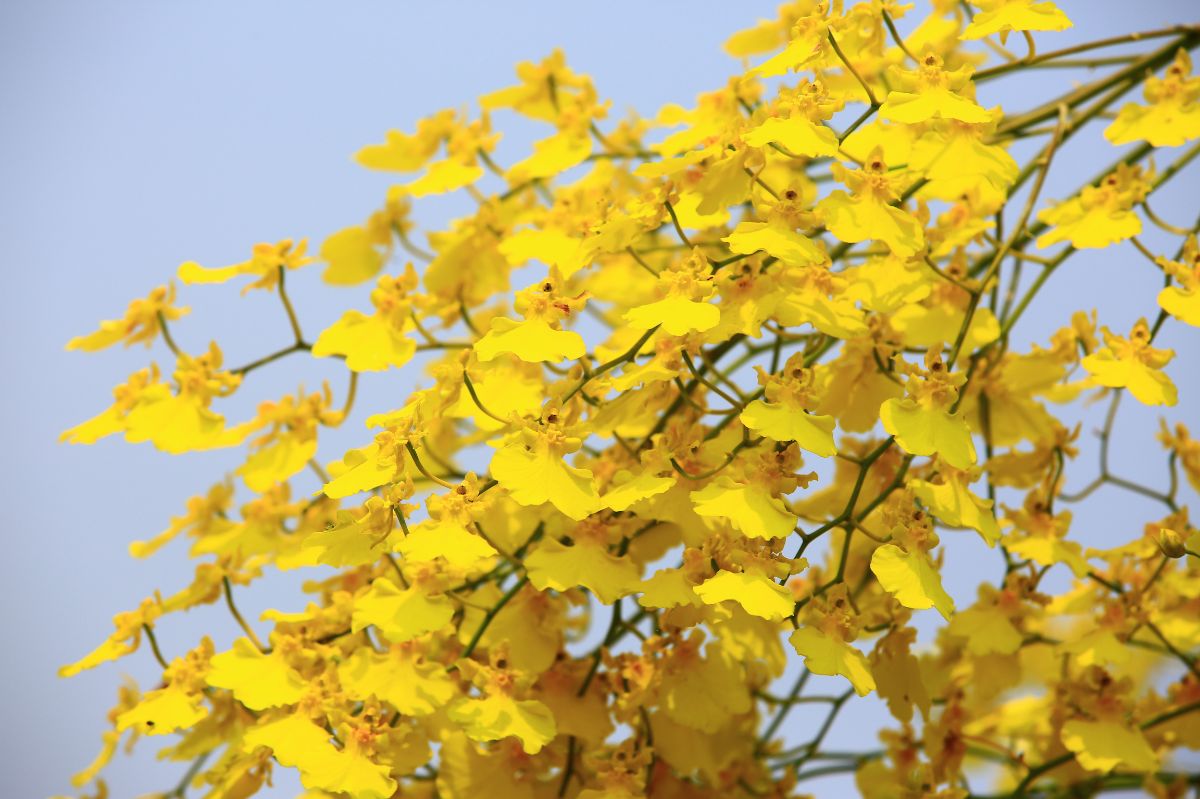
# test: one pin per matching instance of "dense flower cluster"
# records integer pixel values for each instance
(643, 337)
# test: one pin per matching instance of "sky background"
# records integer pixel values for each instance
(143, 134)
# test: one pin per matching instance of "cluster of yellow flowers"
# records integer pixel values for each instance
(604, 609)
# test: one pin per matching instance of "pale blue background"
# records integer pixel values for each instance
(140, 134)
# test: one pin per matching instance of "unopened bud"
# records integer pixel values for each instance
(1171, 543)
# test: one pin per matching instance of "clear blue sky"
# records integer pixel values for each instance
(142, 134)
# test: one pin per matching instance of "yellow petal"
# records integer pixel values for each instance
(855, 219)
(894, 141)
(142, 323)
(240, 540)
(276, 462)
(193, 273)
(830, 656)
(911, 578)
(668, 588)
(761, 38)
(524, 624)
(704, 694)
(811, 432)
(400, 152)
(1087, 228)
(955, 164)
(751, 509)
(1149, 386)
(833, 316)
(400, 615)
(1049, 551)
(898, 680)
(1104, 745)
(1100, 647)
(102, 425)
(178, 424)
(258, 681)
(630, 492)
(886, 284)
(785, 244)
(757, 593)
(351, 541)
(751, 639)
(724, 183)
(690, 218)
(924, 326)
(504, 387)
(678, 316)
(1017, 15)
(588, 564)
(369, 343)
(552, 155)
(798, 135)
(987, 630)
(398, 677)
(925, 431)
(360, 470)
(466, 771)
(586, 717)
(1169, 122)
(551, 247)
(497, 717)
(853, 389)
(444, 176)
(354, 256)
(938, 103)
(1181, 303)
(537, 476)
(111, 332)
(532, 340)
(299, 743)
(955, 505)
(457, 545)
(799, 52)
(163, 711)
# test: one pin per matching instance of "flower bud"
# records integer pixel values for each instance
(1171, 543)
